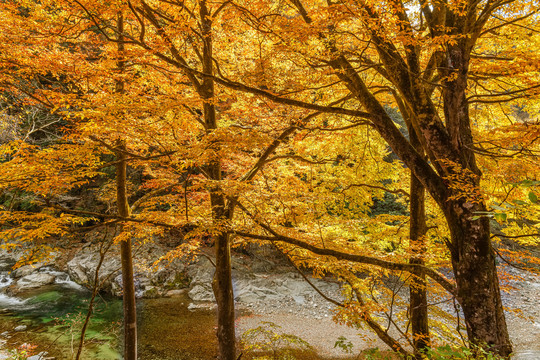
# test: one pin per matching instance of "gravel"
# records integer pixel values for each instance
(310, 317)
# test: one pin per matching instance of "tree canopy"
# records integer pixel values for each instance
(284, 122)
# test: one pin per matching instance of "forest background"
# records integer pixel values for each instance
(282, 122)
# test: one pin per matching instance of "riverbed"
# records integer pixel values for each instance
(52, 315)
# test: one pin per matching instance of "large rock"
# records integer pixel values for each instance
(201, 274)
(8, 258)
(32, 281)
(250, 294)
(25, 270)
(150, 281)
(6, 262)
(82, 270)
(201, 293)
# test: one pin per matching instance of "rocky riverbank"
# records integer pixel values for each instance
(264, 290)
(282, 297)
(79, 266)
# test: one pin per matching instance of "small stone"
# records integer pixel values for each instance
(21, 328)
(201, 293)
(176, 292)
(40, 356)
(203, 306)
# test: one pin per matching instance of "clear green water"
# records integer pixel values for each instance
(54, 316)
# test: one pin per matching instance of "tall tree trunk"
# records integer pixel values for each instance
(473, 261)
(130, 313)
(473, 258)
(128, 284)
(222, 282)
(472, 254)
(418, 290)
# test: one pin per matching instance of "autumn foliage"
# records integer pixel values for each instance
(284, 123)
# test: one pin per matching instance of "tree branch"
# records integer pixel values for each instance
(398, 191)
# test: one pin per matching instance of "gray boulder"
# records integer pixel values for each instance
(6, 263)
(32, 281)
(201, 292)
(201, 275)
(82, 269)
(25, 270)
(150, 281)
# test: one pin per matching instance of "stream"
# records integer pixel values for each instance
(53, 315)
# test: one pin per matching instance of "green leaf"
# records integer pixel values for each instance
(533, 197)
(519, 202)
(500, 217)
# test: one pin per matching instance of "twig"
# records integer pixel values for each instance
(335, 302)
(508, 262)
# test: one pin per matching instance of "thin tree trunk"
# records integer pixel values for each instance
(223, 291)
(222, 282)
(128, 284)
(130, 313)
(95, 290)
(418, 288)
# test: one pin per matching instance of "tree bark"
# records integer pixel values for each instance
(478, 293)
(130, 312)
(418, 308)
(417, 231)
(223, 291)
(473, 258)
(418, 290)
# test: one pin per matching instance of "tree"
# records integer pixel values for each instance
(410, 52)
(112, 116)
(128, 282)
(225, 110)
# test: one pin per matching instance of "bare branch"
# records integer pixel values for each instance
(398, 191)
